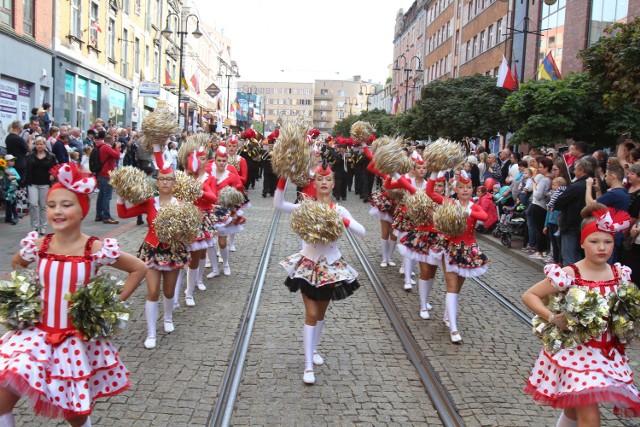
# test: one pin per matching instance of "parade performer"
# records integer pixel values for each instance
(212, 217)
(164, 261)
(463, 257)
(35, 362)
(225, 178)
(236, 160)
(251, 153)
(318, 270)
(577, 379)
(270, 178)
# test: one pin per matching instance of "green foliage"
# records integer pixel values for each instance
(457, 108)
(614, 64)
(546, 112)
(384, 123)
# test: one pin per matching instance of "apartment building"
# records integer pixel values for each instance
(26, 76)
(333, 100)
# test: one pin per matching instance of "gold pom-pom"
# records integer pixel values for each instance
(131, 184)
(390, 158)
(443, 155)
(157, 127)
(230, 198)
(380, 142)
(361, 131)
(397, 194)
(291, 155)
(316, 222)
(186, 189)
(420, 208)
(451, 219)
(187, 147)
(177, 224)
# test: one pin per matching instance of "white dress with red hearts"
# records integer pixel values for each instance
(49, 362)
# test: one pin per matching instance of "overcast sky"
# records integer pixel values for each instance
(302, 40)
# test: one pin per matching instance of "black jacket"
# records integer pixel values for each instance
(570, 203)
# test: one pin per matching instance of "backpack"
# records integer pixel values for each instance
(95, 165)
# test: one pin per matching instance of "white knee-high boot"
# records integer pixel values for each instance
(383, 250)
(201, 267)
(232, 242)
(308, 338)
(176, 295)
(391, 247)
(192, 276)
(452, 310)
(213, 257)
(407, 266)
(6, 420)
(168, 309)
(151, 314)
(317, 359)
(424, 289)
(565, 421)
(224, 253)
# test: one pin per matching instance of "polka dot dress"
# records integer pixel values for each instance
(49, 362)
(595, 372)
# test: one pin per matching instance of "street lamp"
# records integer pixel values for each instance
(232, 71)
(366, 93)
(407, 69)
(182, 30)
(350, 102)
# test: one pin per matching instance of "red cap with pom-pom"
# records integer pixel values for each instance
(221, 152)
(274, 135)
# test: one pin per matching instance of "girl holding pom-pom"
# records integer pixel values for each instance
(164, 261)
(318, 270)
(578, 379)
(50, 362)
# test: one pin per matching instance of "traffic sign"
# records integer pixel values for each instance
(213, 90)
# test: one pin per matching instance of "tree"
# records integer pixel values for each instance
(383, 122)
(457, 108)
(614, 64)
(546, 112)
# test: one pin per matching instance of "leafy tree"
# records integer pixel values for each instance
(545, 112)
(384, 123)
(457, 108)
(614, 63)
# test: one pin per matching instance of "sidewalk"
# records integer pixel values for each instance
(514, 251)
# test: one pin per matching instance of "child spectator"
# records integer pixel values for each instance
(525, 188)
(10, 180)
(485, 201)
(558, 185)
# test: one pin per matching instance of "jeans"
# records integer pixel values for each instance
(570, 247)
(531, 240)
(38, 205)
(555, 242)
(104, 198)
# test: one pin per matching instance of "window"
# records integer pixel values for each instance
(469, 51)
(27, 15)
(158, 20)
(82, 88)
(146, 56)
(499, 30)
(449, 29)
(6, 12)
(124, 70)
(136, 55)
(111, 38)
(457, 41)
(69, 91)
(137, 7)
(483, 40)
(147, 16)
(76, 18)
(117, 104)
(157, 65)
(474, 51)
(490, 39)
(94, 96)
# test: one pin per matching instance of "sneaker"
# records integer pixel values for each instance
(213, 274)
(201, 286)
(189, 301)
(424, 314)
(309, 377)
(317, 359)
(232, 248)
(384, 264)
(407, 287)
(401, 271)
(226, 270)
(150, 343)
(391, 263)
(168, 326)
(536, 255)
(456, 337)
(208, 264)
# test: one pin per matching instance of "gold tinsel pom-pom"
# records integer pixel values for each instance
(397, 194)
(420, 208)
(230, 198)
(192, 143)
(157, 127)
(390, 158)
(131, 184)
(291, 155)
(186, 189)
(450, 218)
(316, 222)
(361, 131)
(178, 224)
(443, 155)
(380, 142)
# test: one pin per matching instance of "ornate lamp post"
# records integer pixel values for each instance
(408, 69)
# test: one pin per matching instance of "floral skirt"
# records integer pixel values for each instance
(320, 280)
(164, 257)
(383, 206)
(236, 225)
(401, 225)
(423, 246)
(465, 261)
(62, 377)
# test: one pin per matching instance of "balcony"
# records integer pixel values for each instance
(322, 96)
(321, 118)
(323, 107)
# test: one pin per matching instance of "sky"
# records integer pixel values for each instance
(303, 40)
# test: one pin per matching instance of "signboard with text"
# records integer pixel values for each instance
(149, 89)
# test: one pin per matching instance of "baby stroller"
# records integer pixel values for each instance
(512, 223)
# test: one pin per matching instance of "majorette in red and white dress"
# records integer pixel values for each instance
(60, 372)
(214, 217)
(597, 371)
(232, 180)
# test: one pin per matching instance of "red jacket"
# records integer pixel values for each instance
(487, 205)
(108, 158)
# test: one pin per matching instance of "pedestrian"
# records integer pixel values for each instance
(578, 379)
(163, 261)
(318, 271)
(35, 362)
(10, 186)
(38, 181)
(109, 152)
(538, 206)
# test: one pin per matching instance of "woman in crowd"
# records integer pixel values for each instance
(38, 180)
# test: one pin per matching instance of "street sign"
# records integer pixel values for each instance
(149, 89)
(213, 90)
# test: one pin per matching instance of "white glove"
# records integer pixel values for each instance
(120, 200)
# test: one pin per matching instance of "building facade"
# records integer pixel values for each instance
(26, 75)
(333, 100)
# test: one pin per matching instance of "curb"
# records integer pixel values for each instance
(538, 264)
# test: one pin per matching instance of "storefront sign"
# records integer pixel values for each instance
(149, 89)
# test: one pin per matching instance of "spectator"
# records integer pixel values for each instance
(59, 148)
(577, 150)
(90, 140)
(505, 160)
(173, 156)
(30, 132)
(493, 169)
(471, 167)
(54, 133)
(17, 147)
(130, 150)
(538, 208)
(75, 141)
(84, 161)
(558, 185)
(559, 169)
(623, 152)
(38, 180)
(10, 182)
(630, 252)
(482, 164)
(525, 188)
(513, 168)
(485, 200)
(109, 152)
(569, 203)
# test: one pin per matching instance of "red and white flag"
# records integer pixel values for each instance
(95, 26)
(505, 77)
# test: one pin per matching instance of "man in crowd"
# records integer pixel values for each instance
(577, 150)
(109, 152)
(90, 139)
(18, 147)
(75, 141)
(505, 160)
(59, 148)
